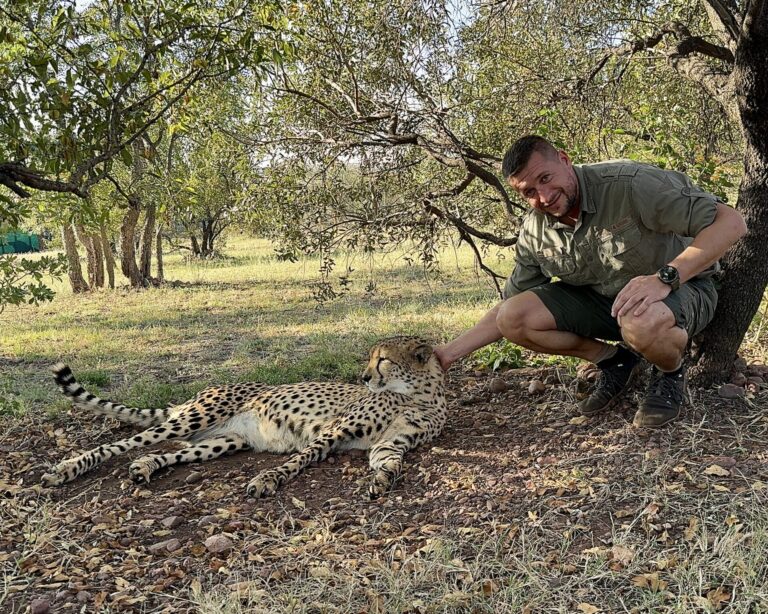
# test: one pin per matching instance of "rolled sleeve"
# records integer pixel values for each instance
(526, 274)
(667, 202)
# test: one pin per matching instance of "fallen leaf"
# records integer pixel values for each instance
(622, 555)
(650, 581)
(690, 532)
(717, 470)
(587, 608)
(718, 597)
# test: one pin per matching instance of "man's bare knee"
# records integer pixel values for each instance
(523, 313)
(643, 331)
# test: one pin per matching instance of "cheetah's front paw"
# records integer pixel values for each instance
(65, 471)
(382, 482)
(264, 484)
(142, 469)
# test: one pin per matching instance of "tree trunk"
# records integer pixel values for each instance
(195, 245)
(106, 249)
(93, 250)
(147, 242)
(207, 248)
(128, 247)
(746, 263)
(76, 279)
(159, 254)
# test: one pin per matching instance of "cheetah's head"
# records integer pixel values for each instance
(403, 364)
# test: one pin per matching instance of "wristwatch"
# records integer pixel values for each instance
(670, 276)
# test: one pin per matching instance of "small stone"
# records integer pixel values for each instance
(756, 379)
(729, 391)
(169, 545)
(498, 384)
(218, 544)
(194, 477)
(536, 387)
(211, 519)
(83, 596)
(738, 379)
(740, 364)
(40, 606)
(723, 461)
(171, 522)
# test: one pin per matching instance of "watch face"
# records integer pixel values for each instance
(668, 274)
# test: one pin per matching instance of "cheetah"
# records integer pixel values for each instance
(401, 405)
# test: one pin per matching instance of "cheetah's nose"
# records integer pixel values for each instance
(366, 377)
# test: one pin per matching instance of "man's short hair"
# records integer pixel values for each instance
(521, 151)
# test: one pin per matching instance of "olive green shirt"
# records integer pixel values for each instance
(634, 219)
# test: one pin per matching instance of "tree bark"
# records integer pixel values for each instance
(747, 262)
(93, 250)
(147, 241)
(109, 258)
(76, 279)
(128, 247)
(159, 254)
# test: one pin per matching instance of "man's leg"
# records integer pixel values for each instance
(543, 323)
(525, 319)
(657, 336)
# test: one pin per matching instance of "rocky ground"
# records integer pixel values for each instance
(515, 470)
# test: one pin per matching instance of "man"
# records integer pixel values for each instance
(634, 248)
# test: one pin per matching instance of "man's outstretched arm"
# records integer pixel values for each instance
(484, 332)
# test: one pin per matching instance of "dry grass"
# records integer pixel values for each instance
(515, 510)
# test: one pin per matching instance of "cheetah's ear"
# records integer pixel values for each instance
(422, 353)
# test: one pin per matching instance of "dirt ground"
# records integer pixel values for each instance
(510, 458)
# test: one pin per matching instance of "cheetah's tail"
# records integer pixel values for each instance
(83, 399)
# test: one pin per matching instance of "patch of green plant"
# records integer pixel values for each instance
(320, 365)
(569, 363)
(93, 377)
(10, 403)
(500, 355)
(146, 394)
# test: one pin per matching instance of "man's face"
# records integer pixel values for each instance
(548, 183)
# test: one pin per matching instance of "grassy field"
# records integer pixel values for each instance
(517, 508)
(247, 317)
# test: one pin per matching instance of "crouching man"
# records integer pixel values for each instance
(634, 248)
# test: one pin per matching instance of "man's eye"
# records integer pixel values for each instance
(545, 179)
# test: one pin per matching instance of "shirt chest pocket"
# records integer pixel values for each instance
(620, 247)
(555, 263)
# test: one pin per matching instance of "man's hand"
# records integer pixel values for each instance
(639, 294)
(444, 361)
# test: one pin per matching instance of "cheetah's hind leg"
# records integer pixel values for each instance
(142, 468)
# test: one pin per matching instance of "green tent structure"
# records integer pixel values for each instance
(17, 242)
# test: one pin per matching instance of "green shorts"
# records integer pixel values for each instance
(581, 310)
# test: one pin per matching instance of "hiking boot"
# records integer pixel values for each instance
(616, 376)
(665, 396)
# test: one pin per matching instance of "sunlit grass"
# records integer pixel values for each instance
(247, 316)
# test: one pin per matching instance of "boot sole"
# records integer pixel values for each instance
(614, 401)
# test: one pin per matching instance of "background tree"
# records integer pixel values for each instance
(85, 86)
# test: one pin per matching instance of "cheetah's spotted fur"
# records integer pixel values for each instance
(401, 406)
